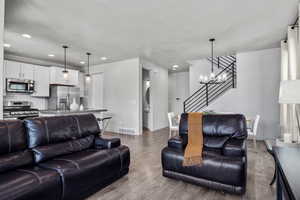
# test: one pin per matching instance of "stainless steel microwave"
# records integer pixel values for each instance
(19, 85)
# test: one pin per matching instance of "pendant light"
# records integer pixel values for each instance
(212, 79)
(88, 76)
(65, 71)
(212, 75)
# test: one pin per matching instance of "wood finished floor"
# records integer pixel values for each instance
(145, 181)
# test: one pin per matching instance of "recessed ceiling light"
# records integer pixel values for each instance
(25, 35)
(51, 55)
(82, 62)
(103, 58)
(175, 66)
(6, 45)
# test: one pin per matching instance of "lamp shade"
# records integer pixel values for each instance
(289, 92)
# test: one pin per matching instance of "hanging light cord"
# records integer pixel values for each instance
(88, 63)
(65, 51)
(212, 54)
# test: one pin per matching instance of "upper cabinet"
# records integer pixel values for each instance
(40, 75)
(42, 81)
(18, 70)
(27, 71)
(56, 76)
(12, 69)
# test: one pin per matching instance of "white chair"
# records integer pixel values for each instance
(253, 132)
(172, 127)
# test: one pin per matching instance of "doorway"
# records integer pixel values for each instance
(178, 91)
(146, 99)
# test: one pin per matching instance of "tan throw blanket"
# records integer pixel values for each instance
(193, 150)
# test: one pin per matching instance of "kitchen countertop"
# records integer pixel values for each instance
(62, 112)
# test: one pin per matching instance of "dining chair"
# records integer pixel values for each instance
(173, 127)
(253, 132)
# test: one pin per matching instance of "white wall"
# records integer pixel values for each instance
(121, 91)
(158, 95)
(258, 78)
(1, 55)
(178, 88)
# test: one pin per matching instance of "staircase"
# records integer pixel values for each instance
(207, 93)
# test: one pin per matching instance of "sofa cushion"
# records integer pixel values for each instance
(215, 142)
(90, 168)
(219, 125)
(50, 130)
(12, 136)
(215, 166)
(15, 160)
(235, 147)
(30, 183)
(13, 153)
(88, 124)
(42, 153)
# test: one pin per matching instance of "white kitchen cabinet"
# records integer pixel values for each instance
(81, 84)
(73, 77)
(27, 71)
(18, 70)
(12, 69)
(42, 81)
(56, 76)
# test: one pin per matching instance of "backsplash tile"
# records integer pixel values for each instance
(40, 103)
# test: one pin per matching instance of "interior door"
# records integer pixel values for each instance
(181, 91)
(95, 91)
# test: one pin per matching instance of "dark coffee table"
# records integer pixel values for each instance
(270, 143)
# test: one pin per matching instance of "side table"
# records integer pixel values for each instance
(270, 143)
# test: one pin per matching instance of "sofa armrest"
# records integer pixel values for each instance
(235, 147)
(175, 143)
(102, 143)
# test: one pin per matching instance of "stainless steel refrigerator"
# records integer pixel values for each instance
(61, 97)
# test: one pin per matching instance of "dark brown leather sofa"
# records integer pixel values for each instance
(57, 158)
(224, 164)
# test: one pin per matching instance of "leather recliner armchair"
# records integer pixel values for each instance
(224, 165)
(57, 158)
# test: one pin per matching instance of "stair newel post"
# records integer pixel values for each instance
(206, 92)
(233, 76)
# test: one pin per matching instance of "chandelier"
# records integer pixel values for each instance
(212, 78)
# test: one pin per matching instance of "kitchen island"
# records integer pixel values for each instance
(48, 113)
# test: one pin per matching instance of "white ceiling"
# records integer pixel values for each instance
(166, 32)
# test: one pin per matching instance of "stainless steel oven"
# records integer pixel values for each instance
(19, 110)
(19, 85)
